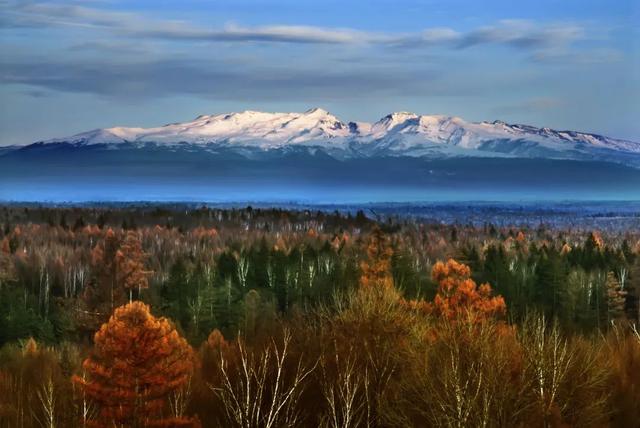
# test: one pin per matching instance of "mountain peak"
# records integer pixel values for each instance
(400, 115)
(317, 111)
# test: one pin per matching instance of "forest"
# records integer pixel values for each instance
(169, 316)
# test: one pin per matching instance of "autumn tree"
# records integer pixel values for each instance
(130, 259)
(615, 298)
(138, 360)
(103, 260)
(6, 262)
(33, 389)
(376, 270)
(459, 296)
(595, 242)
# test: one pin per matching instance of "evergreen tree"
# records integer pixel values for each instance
(551, 280)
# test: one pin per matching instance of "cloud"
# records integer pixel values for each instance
(129, 55)
(32, 14)
(215, 80)
(521, 34)
(26, 14)
(273, 33)
(439, 35)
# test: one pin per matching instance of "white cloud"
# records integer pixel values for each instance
(522, 34)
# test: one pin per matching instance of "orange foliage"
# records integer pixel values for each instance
(204, 233)
(30, 347)
(130, 264)
(91, 230)
(217, 342)
(376, 271)
(217, 346)
(459, 296)
(104, 264)
(335, 243)
(6, 262)
(137, 361)
(102, 255)
(5, 247)
(281, 245)
(596, 240)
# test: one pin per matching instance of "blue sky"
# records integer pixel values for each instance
(66, 67)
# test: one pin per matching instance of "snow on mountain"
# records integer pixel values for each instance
(408, 134)
(409, 131)
(392, 121)
(248, 128)
(96, 136)
(397, 134)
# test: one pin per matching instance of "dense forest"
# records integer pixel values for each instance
(186, 317)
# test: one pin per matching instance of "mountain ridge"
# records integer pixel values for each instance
(396, 134)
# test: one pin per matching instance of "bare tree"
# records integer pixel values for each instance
(548, 360)
(179, 399)
(636, 333)
(47, 398)
(345, 395)
(243, 269)
(271, 276)
(311, 270)
(259, 392)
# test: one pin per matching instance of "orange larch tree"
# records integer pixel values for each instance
(376, 270)
(103, 261)
(138, 360)
(595, 241)
(130, 258)
(458, 295)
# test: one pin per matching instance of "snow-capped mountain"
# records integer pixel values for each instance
(247, 128)
(413, 135)
(316, 156)
(397, 134)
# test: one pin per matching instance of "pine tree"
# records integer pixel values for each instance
(551, 282)
(137, 361)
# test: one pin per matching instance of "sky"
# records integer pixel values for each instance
(68, 67)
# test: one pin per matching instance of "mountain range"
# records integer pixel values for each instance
(260, 155)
